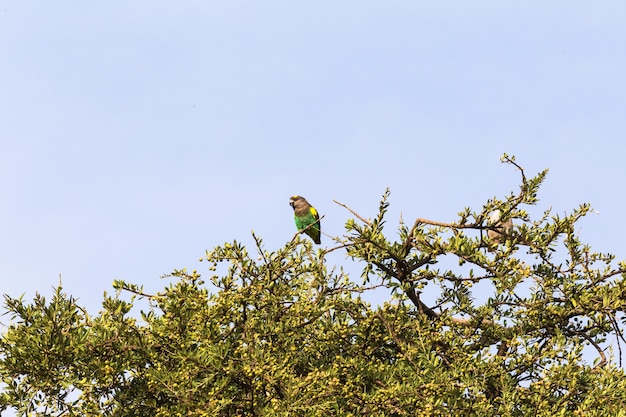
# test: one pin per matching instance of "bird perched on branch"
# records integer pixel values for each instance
(501, 230)
(306, 217)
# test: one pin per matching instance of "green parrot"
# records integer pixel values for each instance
(305, 215)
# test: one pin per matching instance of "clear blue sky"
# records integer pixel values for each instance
(137, 134)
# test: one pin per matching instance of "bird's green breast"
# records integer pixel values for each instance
(304, 221)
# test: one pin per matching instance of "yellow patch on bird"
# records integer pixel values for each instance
(314, 212)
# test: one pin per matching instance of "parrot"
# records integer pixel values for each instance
(502, 230)
(305, 215)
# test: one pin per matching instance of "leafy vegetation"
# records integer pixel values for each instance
(482, 319)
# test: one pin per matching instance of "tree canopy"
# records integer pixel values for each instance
(507, 315)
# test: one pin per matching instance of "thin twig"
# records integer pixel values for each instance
(603, 360)
(367, 222)
(259, 248)
(331, 237)
(137, 292)
(620, 335)
(449, 225)
(338, 247)
(508, 160)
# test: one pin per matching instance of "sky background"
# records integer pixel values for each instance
(135, 135)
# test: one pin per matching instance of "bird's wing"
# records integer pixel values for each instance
(314, 213)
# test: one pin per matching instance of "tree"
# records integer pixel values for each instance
(515, 322)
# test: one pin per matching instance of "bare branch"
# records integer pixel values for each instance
(367, 222)
(449, 225)
(346, 245)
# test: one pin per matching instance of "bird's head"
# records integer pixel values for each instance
(494, 216)
(297, 201)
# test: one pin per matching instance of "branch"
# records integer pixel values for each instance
(620, 335)
(603, 360)
(506, 159)
(137, 291)
(259, 248)
(367, 222)
(422, 308)
(342, 246)
(449, 225)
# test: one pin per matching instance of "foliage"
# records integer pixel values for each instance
(474, 326)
